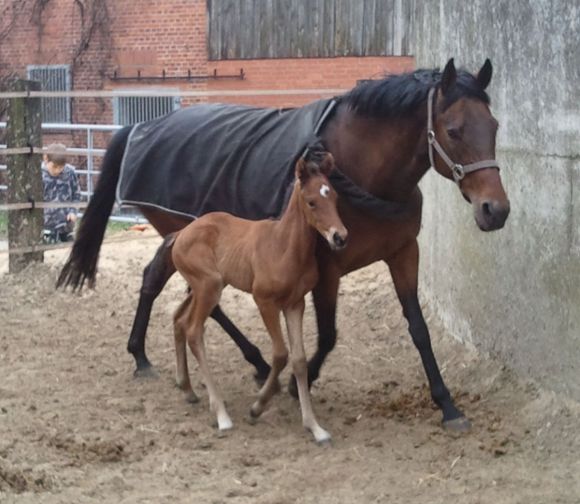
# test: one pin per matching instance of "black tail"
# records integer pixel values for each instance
(81, 265)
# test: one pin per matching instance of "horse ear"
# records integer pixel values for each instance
(449, 77)
(484, 74)
(327, 164)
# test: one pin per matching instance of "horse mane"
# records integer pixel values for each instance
(399, 95)
(315, 152)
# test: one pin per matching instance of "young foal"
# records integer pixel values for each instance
(272, 259)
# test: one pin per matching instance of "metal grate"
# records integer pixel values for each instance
(133, 109)
(53, 78)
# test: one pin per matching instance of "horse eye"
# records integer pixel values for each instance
(454, 133)
(311, 204)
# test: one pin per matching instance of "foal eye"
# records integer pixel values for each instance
(311, 204)
(454, 133)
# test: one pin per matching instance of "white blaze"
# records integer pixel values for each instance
(324, 191)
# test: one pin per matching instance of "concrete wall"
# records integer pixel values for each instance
(516, 292)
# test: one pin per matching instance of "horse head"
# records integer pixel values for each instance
(462, 136)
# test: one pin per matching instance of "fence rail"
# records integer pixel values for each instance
(169, 92)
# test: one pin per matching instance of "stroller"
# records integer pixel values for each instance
(59, 234)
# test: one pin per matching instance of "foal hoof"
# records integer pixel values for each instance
(191, 397)
(260, 378)
(325, 443)
(256, 410)
(459, 425)
(146, 372)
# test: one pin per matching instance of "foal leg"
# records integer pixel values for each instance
(200, 309)
(180, 320)
(155, 276)
(324, 296)
(298, 357)
(404, 268)
(271, 316)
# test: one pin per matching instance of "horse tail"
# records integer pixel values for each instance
(81, 264)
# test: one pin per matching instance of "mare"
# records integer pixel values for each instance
(275, 261)
(384, 136)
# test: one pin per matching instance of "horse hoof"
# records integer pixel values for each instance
(148, 372)
(459, 425)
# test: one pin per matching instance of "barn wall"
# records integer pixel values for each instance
(253, 29)
(515, 292)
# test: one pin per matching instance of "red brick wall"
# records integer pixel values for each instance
(300, 73)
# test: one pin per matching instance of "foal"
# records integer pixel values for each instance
(273, 260)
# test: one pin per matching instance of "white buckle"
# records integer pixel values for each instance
(458, 172)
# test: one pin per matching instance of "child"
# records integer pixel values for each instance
(60, 184)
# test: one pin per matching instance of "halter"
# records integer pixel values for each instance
(457, 170)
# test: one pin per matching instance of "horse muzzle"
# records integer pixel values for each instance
(491, 215)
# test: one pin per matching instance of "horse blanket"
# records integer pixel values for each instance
(218, 157)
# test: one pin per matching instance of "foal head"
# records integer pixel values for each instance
(466, 130)
(318, 198)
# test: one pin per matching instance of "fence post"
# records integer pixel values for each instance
(23, 129)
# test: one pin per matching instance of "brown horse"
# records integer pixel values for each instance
(275, 261)
(384, 136)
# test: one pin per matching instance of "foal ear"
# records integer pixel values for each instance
(484, 74)
(327, 165)
(449, 77)
(301, 171)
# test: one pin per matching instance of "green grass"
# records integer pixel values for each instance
(3, 224)
(114, 227)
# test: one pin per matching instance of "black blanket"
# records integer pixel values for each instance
(214, 157)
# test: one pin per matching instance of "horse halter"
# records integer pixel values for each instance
(457, 170)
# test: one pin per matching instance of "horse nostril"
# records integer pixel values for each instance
(486, 208)
(339, 241)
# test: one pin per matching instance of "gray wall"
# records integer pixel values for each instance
(515, 292)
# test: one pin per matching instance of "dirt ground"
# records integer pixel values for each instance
(75, 426)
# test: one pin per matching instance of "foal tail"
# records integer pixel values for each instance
(81, 265)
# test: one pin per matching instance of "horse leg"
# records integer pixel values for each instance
(324, 296)
(199, 311)
(404, 267)
(180, 332)
(250, 351)
(271, 317)
(298, 358)
(155, 276)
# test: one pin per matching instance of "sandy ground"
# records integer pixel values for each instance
(75, 426)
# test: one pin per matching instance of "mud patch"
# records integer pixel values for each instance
(17, 480)
(83, 452)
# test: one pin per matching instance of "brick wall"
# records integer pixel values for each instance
(300, 73)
